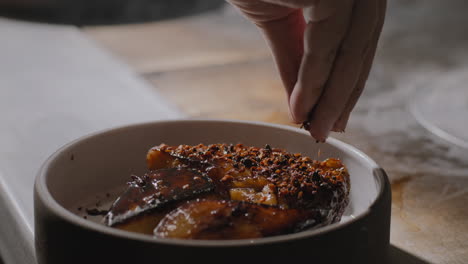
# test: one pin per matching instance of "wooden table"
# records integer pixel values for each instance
(217, 65)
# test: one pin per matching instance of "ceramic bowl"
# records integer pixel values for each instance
(93, 170)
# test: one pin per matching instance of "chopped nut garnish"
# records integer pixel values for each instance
(292, 176)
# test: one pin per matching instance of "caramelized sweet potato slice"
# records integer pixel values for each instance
(297, 181)
(143, 223)
(155, 190)
(157, 159)
(219, 219)
(215, 169)
(266, 196)
(223, 191)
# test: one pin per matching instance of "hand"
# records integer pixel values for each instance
(324, 62)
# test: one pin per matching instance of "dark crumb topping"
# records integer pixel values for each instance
(290, 175)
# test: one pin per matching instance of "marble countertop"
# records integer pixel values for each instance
(217, 65)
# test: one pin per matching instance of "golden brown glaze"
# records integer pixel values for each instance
(211, 219)
(155, 190)
(294, 180)
(288, 190)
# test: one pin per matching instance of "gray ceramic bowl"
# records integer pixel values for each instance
(95, 168)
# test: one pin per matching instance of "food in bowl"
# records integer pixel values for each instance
(225, 191)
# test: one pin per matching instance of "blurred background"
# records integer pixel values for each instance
(204, 58)
(89, 12)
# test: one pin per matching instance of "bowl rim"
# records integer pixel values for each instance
(45, 196)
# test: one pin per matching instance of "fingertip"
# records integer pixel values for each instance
(337, 128)
(297, 117)
(319, 135)
(292, 119)
(297, 109)
(320, 126)
(341, 123)
(296, 121)
(293, 115)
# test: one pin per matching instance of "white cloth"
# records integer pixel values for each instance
(55, 86)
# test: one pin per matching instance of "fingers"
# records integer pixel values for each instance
(346, 69)
(322, 41)
(295, 3)
(342, 121)
(283, 29)
(324, 64)
(286, 40)
(319, 9)
(259, 11)
(323, 9)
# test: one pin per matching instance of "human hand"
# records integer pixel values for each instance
(324, 62)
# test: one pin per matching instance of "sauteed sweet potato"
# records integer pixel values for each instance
(223, 191)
